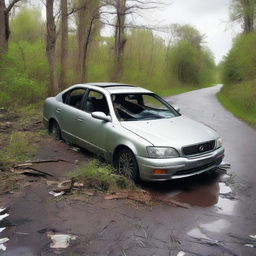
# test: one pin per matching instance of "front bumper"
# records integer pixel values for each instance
(180, 167)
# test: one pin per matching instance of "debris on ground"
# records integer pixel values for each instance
(4, 216)
(56, 194)
(2, 229)
(181, 253)
(2, 242)
(249, 245)
(65, 186)
(252, 236)
(30, 171)
(61, 241)
(75, 149)
(146, 198)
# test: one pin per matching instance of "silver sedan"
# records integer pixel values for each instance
(137, 131)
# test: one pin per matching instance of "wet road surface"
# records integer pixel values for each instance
(218, 215)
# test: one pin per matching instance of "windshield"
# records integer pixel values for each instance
(141, 106)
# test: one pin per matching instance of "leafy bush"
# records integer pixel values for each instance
(240, 63)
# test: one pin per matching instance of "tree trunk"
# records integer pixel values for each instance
(64, 45)
(120, 40)
(248, 16)
(87, 16)
(50, 48)
(4, 28)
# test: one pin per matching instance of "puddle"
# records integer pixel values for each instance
(216, 226)
(224, 189)
(203, 190)
(197, 233)
(61, 241)
(226, 206)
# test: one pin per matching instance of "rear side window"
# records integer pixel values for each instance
(74, 98)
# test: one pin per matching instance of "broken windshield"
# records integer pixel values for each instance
(141, 106)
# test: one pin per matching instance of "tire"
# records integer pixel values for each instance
(55, 131)
(126, 164)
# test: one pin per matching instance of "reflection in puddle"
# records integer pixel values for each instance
(224, 189)
(197, 233)
(216, 226)
(202, 190)
(226, 206)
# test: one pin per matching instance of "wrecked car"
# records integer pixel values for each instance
(137, 131)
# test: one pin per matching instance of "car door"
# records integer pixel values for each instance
(92, 132)
(68, 113)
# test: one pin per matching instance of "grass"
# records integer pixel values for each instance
(18, 150)
(240, 99)
(100, 176)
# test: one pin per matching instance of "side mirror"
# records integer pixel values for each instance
(101, 116)
(176, 108)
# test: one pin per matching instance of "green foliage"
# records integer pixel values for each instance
(100, 176)
(240, 63)
(188, 61)
(19, 149)
(240, 100)
(27, 25)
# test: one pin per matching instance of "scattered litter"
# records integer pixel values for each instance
(38, 161)
(51, 182)
(252, 236)
(4, 216)
(249, 245)
(61, 241)
(2, 229)
(75, 149)
(65, 186)
(2, 241)
(78, 185)
(2, 210)
(181, 253)
(56, 194)
(31, 171)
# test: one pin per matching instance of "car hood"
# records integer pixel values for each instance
(173, 132)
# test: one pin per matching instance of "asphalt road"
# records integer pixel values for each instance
(219, 220)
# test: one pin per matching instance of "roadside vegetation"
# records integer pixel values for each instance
(101, 176)
(238, 70)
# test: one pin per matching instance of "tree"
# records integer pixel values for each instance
(244, 11)
(51, 37)
(88, 14)
(64, 44)
(4, 24)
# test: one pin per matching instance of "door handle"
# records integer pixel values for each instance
(58, 110)
(80, 119)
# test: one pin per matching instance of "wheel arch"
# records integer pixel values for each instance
(118, 148)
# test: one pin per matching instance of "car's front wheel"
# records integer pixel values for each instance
(55, 131)
(126, 164)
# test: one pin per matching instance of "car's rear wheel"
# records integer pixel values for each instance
(126, 164)
(55, 131)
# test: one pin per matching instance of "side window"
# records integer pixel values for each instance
(74, 98)
(96, 101)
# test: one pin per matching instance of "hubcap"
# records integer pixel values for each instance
(126, 165)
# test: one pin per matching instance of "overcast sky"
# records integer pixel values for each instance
(210, 17)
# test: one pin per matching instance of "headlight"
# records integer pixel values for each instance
(218, 143)
(162, 152)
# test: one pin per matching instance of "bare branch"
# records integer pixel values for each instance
(8, 9)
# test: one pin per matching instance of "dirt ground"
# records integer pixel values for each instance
(210, 214)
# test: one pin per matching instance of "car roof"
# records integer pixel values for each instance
(116, 87)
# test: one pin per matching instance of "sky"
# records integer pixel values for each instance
(210, 17)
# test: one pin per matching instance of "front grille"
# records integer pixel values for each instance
(199, 148)
(197, 169)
